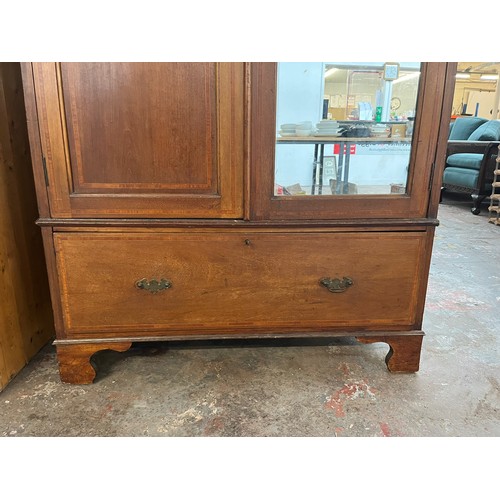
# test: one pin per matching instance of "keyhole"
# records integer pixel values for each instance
(247, 242)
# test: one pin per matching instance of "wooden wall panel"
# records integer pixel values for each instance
(26, 322)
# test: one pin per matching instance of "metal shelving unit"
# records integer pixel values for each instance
(494, 207)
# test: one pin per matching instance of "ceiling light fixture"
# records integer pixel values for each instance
(489, 77)
(330, 72)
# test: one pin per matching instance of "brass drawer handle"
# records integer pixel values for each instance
(336, 285)
(153, 286)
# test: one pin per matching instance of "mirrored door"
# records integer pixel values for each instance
(346, 139)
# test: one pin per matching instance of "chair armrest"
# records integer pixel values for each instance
(480, 147)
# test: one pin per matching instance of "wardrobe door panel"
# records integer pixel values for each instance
(142, 139)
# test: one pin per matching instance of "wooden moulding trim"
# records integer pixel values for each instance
(233, 330)
(440, 153)
(231, 223)
(422, 280)
(410, 333)
(240, 336)
(246, 142)
(34, 136)
(50, 262)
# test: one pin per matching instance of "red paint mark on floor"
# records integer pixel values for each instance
(385, 429)
(336, 404)
(349, 392)
(106, 410)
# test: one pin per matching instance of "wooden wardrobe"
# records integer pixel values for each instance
(155, 185)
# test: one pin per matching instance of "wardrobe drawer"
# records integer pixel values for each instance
(201, 282)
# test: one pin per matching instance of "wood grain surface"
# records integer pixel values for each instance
(227, 280)
(142, 139)
(26, 322)
(163, 174)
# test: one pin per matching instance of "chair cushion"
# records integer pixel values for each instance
(463, 128)
(451, 128)
(471, 161)
(489, 131)
(462, 177)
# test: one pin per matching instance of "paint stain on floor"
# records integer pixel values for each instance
(385, 429)
(349, 392)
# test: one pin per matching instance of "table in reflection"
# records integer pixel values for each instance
(342, 171)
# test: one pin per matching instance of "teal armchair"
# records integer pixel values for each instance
(470, 158)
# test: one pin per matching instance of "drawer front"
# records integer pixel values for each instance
(201, 282)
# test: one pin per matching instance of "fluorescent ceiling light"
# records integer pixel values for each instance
(462, 76)
(489, 77)
(330, 72)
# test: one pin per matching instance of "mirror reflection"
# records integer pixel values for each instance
(344, 128)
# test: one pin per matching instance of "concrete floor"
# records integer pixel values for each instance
(297, 388)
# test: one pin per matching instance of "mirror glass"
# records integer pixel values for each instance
(344, 128)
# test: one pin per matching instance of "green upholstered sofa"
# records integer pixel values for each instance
(470, 158)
